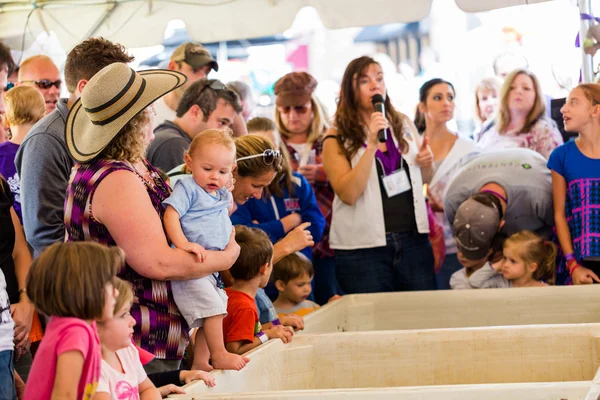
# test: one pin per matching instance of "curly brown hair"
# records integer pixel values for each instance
(129, 144)
(351, 130)
(89, 57)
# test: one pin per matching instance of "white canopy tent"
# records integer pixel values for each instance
(136, 23)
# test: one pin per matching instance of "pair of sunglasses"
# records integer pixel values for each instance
(214, 84)
(269, 156)
(46, 83)
(8, 86)
(298, 109)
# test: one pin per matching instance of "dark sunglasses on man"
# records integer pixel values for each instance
(298, 109)
(45, 83)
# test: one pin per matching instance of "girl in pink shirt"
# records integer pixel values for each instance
(72, 283)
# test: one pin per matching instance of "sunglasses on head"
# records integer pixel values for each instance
(8, 86)
(214, 84)
(269, 156)
(298, 109)
(46, 83)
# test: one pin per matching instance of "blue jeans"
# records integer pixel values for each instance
(404, 264)
(450, 266)
(7, 377)
(325, 284)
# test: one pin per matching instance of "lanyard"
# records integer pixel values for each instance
(389, 160)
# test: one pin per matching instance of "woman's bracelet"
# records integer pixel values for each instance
(570, 256)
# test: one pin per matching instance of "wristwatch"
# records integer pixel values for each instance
(263, 338)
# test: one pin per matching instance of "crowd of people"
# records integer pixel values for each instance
(151, 230)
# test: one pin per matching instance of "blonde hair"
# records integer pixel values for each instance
(491, 84)
(251, 145)
(24, 105)
(320, 122)
(284, 177)
(125, 296)
(591, 92)
(129, 144)
(69, 279)
(533, 249)
(32, 60)
(221, 137)
(537, 111)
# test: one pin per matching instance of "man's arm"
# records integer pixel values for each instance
(44, 168)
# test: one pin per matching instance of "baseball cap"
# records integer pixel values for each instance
(475, 226)
(195, 55)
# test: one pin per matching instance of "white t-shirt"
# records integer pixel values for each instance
(163, 112)
(6, 323)
(119, 385)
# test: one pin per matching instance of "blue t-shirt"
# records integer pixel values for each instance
(204, 218)
(582, 175)
(8, 152)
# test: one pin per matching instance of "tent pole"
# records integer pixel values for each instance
(587, 66)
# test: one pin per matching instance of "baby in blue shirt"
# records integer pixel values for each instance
(197, 219)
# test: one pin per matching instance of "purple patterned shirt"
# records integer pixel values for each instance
(159, 328)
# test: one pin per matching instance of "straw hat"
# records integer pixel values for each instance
(112, 98)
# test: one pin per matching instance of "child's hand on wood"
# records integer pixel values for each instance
(334, 298)
(293, 320)
(284, 333)
(583, 276)
(196, 374)
(170, 389)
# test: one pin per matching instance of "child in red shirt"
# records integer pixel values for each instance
(241, 327)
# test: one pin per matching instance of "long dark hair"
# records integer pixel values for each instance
(423, 93)
(351, 133)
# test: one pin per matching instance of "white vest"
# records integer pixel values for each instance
(362, 225)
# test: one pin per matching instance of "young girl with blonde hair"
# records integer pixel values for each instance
(123, 375)
(576, 185)
(528, 261)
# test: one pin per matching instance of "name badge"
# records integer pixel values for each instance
(396, 183)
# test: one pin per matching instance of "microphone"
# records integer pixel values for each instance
(377, 101)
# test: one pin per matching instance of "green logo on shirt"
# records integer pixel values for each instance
(526, 166)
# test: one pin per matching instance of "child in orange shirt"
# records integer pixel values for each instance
(242, 331)
(293, 277)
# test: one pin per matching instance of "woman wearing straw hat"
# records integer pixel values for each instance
(114, 197)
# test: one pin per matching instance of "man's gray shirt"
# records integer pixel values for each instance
(169, 144)
(524, 176)
(44, 166)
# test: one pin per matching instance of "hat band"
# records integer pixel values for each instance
(120, 104)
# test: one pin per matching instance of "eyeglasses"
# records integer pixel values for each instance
(46, 83)
(8, 86)
(298, 109)
(269, 156)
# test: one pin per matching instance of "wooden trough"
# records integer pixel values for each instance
(392, 359)
(458, 309)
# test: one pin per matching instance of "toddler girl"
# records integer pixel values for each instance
(528, 260)
(197, 218)
(576, 185)
(123, 375)
(71, 283)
